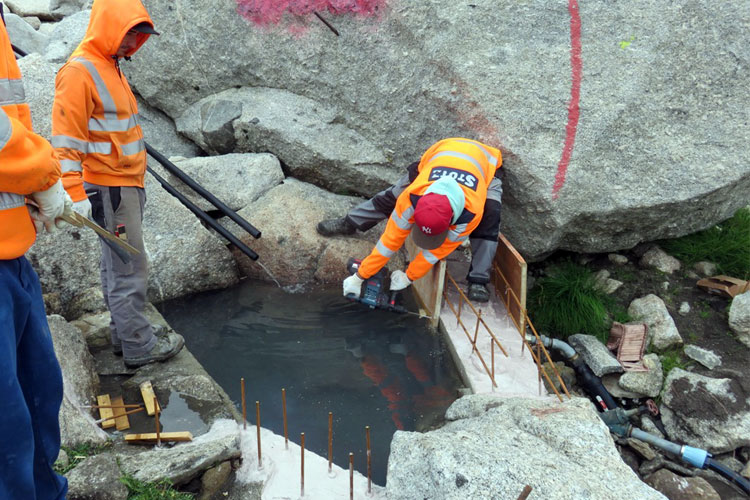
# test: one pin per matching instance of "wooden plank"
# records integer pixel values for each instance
(514, 268)
(103, 400)
(121, 419)
(428, 289)
(163, 436)
(147, 392)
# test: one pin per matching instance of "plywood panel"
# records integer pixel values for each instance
(429, 288)
(511, 289)
(105, 413)
(121, 420)
(163, 436)
(147, 392)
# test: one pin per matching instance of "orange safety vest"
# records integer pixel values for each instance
(473, 165)
(27, 162)
(95, 126)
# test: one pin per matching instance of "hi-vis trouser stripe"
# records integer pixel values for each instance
(491, 159)
(110, 122)
(11, 92)
(7, 200)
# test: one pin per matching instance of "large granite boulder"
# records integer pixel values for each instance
(613, 133)
(492, 447)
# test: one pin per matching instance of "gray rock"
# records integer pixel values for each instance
(36, 8)
(34, 22)
(658, 259)
(62, 8)
(610, 383)
(605, 283)
(707, 358)
(23, 35)
(646, 383)
(88, 301)
(96, 477)
(704, 412)
(746, 471)
(567, 374)
(401, 84)
(616, 258)
(161, 133)
(595, 354)
(77, 364)
(676, 487)
(214, 479)
(643, 449)
(704, 268)
(649, 426)
(684, 309)
(185, 461)
(39, 83)
(739, 317)
(568, 440)
(78, 427)
(662, 332)
(95, 329)
(306, 136)
(63, 460)
(65, 37)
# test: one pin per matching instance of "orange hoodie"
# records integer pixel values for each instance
(27, 162)
(473, 165)
(95, 126)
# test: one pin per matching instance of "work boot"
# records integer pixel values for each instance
(166, 347)
(336, 227)
(478, 292)
(159, 331)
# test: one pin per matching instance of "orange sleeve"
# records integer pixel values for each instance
(71, 110)
(27, 161)
(425, 259)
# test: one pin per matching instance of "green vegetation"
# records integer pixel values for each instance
(727, 245)
(672, 359)
(138, 490)
(567, 301)
(78, 454)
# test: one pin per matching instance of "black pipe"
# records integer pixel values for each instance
(173, 169)
(591, 383)
(728, 474)
(204, 216)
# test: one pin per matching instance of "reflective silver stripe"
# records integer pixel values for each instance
(6, 129)
(455, 234)
(429, 257)
(63, 141)
(462, 156)
(70, 166)
(384, 250)
(403, 222)
(11, 92)
(100, 125)
(490, 157)
(110, 110)
(133, 148)
(11, 200)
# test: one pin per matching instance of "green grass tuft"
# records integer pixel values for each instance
(567, 301)
(672, 359)
(727, 245)
(162, 490)
(78, 454)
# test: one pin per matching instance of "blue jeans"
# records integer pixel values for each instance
(31, 390)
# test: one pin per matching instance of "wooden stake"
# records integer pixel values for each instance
(283, 407)
(525, 493)
(476, 330)
(369, 461)
(351, 476)
(244, 408)
(302, 464)
(129, 412)
(164, 436)
(330, 441)
(158, 436)
(257, 425)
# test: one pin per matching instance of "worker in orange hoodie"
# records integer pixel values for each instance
(96, 134)
(452, 194)
(31, 386)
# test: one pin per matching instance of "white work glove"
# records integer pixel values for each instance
(399, 281)
(353, 286)
(83, 207)
(51, 204)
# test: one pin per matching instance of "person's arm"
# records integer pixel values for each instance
(71, 111)
(27, 162)
(396, 231)
(425, 259)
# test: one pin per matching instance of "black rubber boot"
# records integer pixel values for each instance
(478, 292)
(336, 227)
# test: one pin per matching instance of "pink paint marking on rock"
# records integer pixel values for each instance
(265, 12)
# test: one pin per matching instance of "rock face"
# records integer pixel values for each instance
(739, 317)
(657, 153)
(705, 412)
(468, 457)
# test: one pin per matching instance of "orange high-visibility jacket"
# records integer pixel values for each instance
(27, 162)
(95, 126)
(473, 165)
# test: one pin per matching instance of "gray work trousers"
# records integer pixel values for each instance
(483, 246)
(124, 285)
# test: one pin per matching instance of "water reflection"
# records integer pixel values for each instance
(368, 367)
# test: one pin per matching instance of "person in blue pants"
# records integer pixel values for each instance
(31, 390)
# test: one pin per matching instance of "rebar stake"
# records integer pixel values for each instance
(244, 408)
(351, 476)
(156, 415)
(330, 441)
(302, 464)
(525, 493)
(257, 424)
(283, 409)
(476, 330)
(369, 461)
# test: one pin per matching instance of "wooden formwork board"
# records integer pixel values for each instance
(513, 267)
(428, 289)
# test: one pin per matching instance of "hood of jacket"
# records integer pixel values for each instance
(110, 21)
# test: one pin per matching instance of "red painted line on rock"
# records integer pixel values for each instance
(264, 12)
(574, 111)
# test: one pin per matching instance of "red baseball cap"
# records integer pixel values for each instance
(432, 218)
